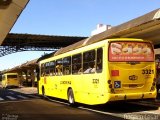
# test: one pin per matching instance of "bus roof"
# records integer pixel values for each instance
(10, 73)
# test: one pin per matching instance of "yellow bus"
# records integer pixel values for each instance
(99, 72)
(10, 80)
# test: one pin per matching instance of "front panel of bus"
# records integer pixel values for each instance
(131, 70)
(12, 80)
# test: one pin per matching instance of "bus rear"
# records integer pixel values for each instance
(131, 70)
(10, 80)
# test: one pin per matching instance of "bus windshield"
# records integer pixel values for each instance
(11, 76)
(131, 51)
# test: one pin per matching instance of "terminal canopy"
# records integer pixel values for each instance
(145, 27)
(9, 12)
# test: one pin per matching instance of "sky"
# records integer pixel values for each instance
(72, 18)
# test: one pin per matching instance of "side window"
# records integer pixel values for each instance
(42, 70)
(59, 67)
(99, 60)
(89, 62)
(67, 66)
(47, 68)
(52, 68)
(77, 64)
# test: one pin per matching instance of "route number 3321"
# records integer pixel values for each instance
(147, 71)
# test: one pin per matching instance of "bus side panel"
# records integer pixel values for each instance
(93, 88)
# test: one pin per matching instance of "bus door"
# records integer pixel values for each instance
(131, 66)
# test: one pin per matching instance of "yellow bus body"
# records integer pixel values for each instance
(99, 88)
(9, 80)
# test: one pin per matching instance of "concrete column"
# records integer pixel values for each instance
(25, 76)
(20, 77)
(32, 76)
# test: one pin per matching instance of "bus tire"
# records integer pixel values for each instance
(71, 99)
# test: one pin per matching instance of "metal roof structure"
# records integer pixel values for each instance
(144, 27)
(31, 42)
(24, 66)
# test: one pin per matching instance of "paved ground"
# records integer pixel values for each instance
(18, 94)
(45, 110)
(24, 103)
(26, 90)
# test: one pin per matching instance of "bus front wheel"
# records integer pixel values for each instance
(71, 99)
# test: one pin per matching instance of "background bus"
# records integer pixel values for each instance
(108, 70)
(10, 80)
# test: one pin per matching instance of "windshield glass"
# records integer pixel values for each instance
(130, 51)
(11, 76)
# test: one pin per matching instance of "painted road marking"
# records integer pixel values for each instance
(11, 93)
(106, 113)
(64, 103)
(1, 99)
(10, 97)
(22, 96)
